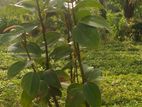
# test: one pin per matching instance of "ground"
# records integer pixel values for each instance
(120, 83)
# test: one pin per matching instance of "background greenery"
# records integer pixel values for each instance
(119, 59)
(120, 83)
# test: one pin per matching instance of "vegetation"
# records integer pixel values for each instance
(70, 53)
(126, 83)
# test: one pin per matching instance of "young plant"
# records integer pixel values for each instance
(50, 48)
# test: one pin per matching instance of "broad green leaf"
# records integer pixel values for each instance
(81, 14)
(86, 36)
(51, 79)
(92, 94)
(28, 27)
(16, 47)
(60, 52)
(26, 4)
(9, 37)
(25, 27)
(43, 89)
(56, 3)
(62, 75)
(19, 30)
(54, 92)
(15, 68)
(26, 100)
(91, 74)
(75, 97)
(95, 21)
(3, 23)
(89, 4)
(52, 37)
(32, 47)
(22, 28)
(30, 83)
(68, 65)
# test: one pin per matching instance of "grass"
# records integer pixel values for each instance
(120, 63)
(122, 90)
(120, 84)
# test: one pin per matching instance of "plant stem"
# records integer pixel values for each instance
(77, 49)
(28, 54)
(49, 104)
(56, 101)
(80, 63)
(67, 23)
(47, 62)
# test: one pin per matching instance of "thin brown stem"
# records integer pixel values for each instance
(56, 101)
(49, 104)
(47, 62)
(80, 63)
(77, 50)
(67, 23)
(24, 42)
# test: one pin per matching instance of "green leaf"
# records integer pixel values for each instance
(28, 27)
(68, 65)
(31, 46)
(96, 21)
(89, 4)
(51, 79)
(18, 31)
(26, 100)
(56, 3)
(52, 37)
(54, 92)
(62, 75)
(15, 68)
(60, 52)
(43, 90)
(16, 48)
(30, 83)
(86, 36)
(9, 37)
(34, 49)
(26, 4)
(75, 97)
(81, 14)
(92, 94)
(91, 74)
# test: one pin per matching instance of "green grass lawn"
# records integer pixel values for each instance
(120, 84)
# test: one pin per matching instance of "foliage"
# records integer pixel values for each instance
(127, 87)
(126, 83)
(117, 58)
(49, 40)
(117, 16)
(10, 91)
(29, 43)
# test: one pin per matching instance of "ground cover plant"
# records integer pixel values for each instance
(127, 83)
(70, 53)
(49, 46)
